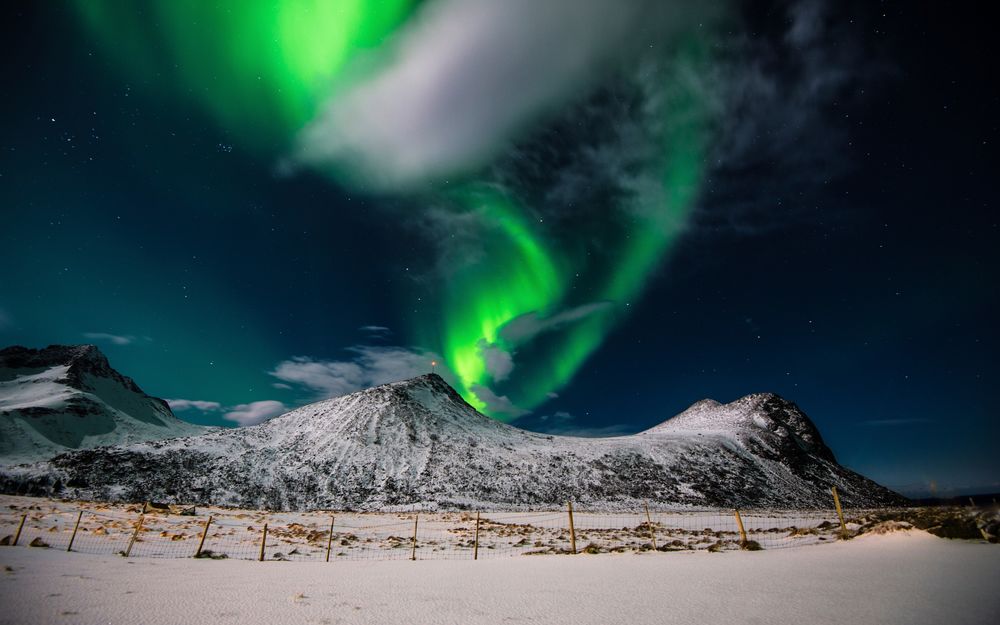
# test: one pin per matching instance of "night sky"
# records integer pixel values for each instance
(590, 214)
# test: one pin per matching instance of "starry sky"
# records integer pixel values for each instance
(587, 214)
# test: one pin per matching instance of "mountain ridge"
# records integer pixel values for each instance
(417, 442)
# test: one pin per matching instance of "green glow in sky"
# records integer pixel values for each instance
(260, 68)
(522, 272)
(514, 275)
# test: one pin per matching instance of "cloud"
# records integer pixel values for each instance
(195, 404)
(782, 104)
(528, 326)
(562, 423)
(114, 339)
(374, 365)
(255, 412)
(369, 366)
(497, 404)
(498, 358)
(592, 432)
(560, 416)
(499, 362)
(376, 331)
(466, 77)
(895, 422)
(243, 414)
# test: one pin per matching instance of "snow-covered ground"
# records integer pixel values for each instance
(905, 577)
(237, 534)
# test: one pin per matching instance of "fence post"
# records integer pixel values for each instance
(329, 539)
(413, 547)
(20, 525)
(135, 534)
(204, 533)
(572, 530)
(649, 522)
(263, 541)
(840, 512)
(75, 527)
(475, 549)
(739, 524)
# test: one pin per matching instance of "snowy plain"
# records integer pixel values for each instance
(903, 577)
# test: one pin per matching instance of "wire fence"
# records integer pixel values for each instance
(141, 532)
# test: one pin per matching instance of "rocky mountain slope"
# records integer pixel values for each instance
(61, 398)
(418, 442)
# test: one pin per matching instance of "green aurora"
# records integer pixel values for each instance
(260, 68)
(263, 71)
(522, 272)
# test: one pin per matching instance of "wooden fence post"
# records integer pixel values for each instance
(204, 533)
(329, 539)
(135, 534)
(475, 549)
(413, 548)
(572, 530)
(263, 542)
(20, 525)
(739, 524)
(649, 522)
(840, 512)
(75, 527)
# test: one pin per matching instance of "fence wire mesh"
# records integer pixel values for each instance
(332, 536)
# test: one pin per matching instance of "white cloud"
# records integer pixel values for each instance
(466, 77)
(560, 416)
(372, 366)
(243, 414)
(255, 412)
(114, 339)
(892, 422)
(369, 366)
(562, 423)
(498, 358)
(499, 362)
(528, 326)
(196, 404)
(374, 330)
(498, 404)
(592, 432)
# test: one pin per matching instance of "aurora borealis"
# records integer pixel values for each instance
(590, 213)
(264, 72)
(260, 70)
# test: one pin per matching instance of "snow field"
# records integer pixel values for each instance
(238, 534)
(903, 577)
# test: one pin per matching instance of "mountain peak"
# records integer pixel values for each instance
(65, 397)
(752, 417)
(20, 357)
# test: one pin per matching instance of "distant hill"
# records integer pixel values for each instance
(67, 397)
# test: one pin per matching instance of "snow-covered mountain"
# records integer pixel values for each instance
(417, 441)
(61, 398)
